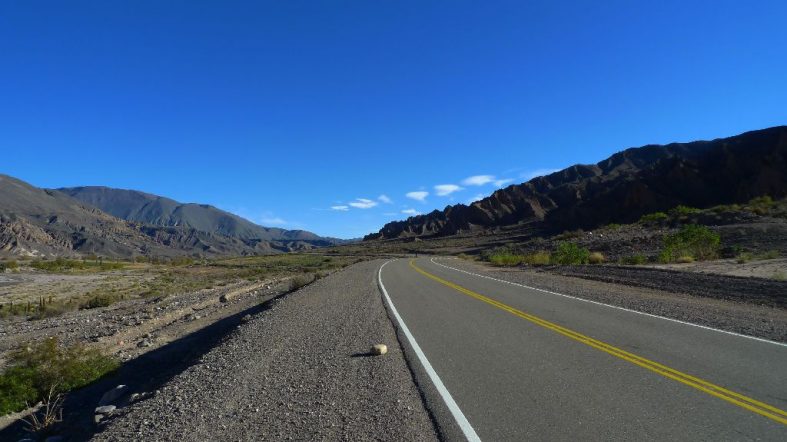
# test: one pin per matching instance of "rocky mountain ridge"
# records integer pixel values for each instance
(621, 188)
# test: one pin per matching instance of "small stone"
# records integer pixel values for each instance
(379, 349)
(106, 409)
(113, 395)
(98, 418)
(223, 298)
(246, 318)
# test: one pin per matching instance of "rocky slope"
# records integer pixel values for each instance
(40, 222)
(622, 188)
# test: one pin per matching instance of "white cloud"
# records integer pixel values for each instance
(478, 197)
(530, 174)
(411, 212)
(418, 195)
(478, 180)
(446, 189)
(385, 199)
(503, 182)
(272, 221)
(341, 208)
(363, 203)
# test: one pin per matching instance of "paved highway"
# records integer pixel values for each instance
(508, 362)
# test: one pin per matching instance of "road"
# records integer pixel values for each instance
(514, 363)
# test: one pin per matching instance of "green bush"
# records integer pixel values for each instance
(654, 218)
(743, 258)
(635, 260)
(568, 253)
(697, 242)
(35, 369)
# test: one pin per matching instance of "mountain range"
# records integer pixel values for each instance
(621, 188)
(125, 223)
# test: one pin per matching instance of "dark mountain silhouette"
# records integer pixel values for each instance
(622, 188)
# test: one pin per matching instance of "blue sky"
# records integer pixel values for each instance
(326, 115)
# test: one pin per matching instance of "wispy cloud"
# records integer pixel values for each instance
(363, 203)
(419, 195)
(276, 221)
(341, 208)
(385, 199)
(503, 182)
(446, 189)
(478, 180)
(411, 212)
(477, 197)
(530, 174)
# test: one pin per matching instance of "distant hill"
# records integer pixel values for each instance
(41, 222)
(622, 188)
(132, 205)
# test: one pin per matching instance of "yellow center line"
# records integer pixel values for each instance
(738, 399)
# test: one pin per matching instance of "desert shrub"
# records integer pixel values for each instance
(540, 258)
(698, 242)
(770, 254)
(98, 301)
(614, 226)
(300, 281)
(568, 253)
(634, 260)
(10, 265)
(505, 258)
(38, 369)
(596, 258)
(654, 218)
(761, 205)
(743, 258)
(726, 208)
(685, 259)
(779, 275)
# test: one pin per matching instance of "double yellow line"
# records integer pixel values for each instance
(732, 397)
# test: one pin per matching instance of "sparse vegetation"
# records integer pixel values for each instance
(46, 369)
(8, 265)
(654, 218)
(743, 258)
(634, 260)
(505, 258)
(780, 275)
(60, 265)
(696, 242)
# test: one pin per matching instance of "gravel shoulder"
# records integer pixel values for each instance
(708, 300)
(298, 370)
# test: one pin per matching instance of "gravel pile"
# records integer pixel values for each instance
(673, 300)
(301, 370)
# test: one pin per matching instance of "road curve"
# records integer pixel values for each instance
(519, 364)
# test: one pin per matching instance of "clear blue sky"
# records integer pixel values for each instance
(280, 111)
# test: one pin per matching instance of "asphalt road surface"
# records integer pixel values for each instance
(509, 362)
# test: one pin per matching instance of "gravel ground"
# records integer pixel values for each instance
(297, 371)
(674, 299)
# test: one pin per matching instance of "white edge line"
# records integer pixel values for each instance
(460, 418)
(782, 344)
